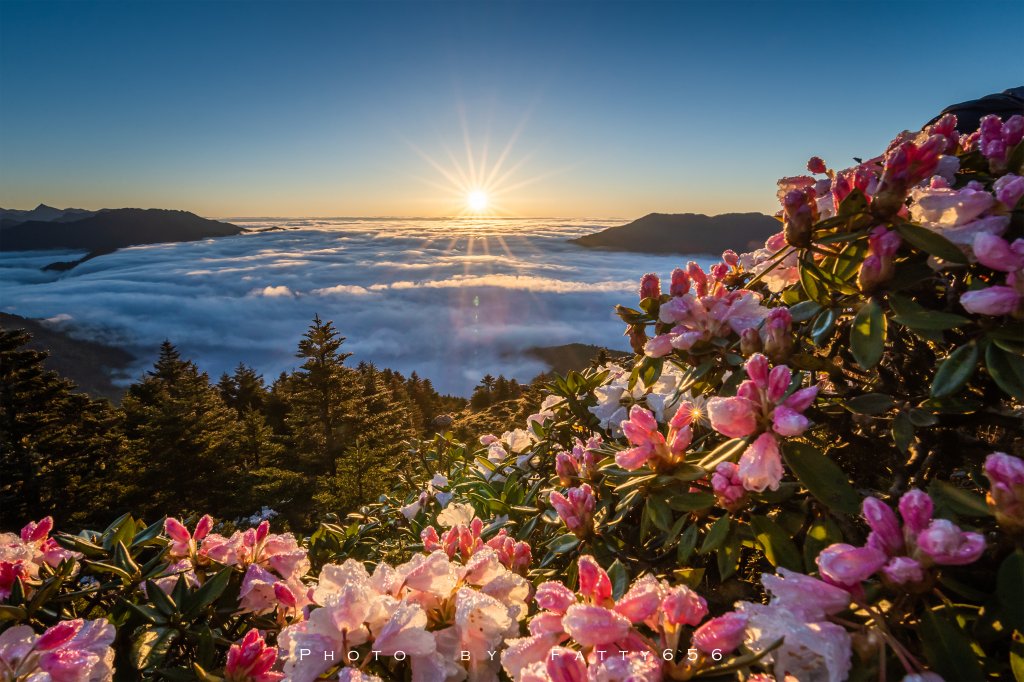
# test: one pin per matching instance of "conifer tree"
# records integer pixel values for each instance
(182, 442)
(56, 446)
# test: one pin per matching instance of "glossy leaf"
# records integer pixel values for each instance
(867, 335)
(822, 477)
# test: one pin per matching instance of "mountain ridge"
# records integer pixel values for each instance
(685, 233)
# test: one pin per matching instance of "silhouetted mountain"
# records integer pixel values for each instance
(113, 229)
(42, 212)
(686, 233)
(574, 356)
(89, 364)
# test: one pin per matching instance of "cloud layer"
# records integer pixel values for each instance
(452, 300)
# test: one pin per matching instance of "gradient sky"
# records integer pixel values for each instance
(615, 109)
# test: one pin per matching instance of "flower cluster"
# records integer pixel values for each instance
(464, 540)
(22, 555)
(650, 446)
(1006, 494)
(70, 651)
(580, 463)
(429, 610)
(903, 553)
(702, 308)
(763, 406)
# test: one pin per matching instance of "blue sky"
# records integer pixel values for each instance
(309, 108)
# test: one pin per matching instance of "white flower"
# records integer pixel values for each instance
(455, 514)
(811, 652)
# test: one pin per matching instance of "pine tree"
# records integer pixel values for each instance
(322, 399)
(182, 442)
(56, 446)
(243, 390)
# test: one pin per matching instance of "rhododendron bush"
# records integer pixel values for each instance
(810, 470)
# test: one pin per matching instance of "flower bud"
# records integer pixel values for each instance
(680, 285)
(565, 467)
(594, 583)
(847, 566)
(1006, 489)
(750, 341)
(683, 606)
(916, 509)
(723, 634)
(730, 258)
(946, 544)
(650, 286)
(816, 165)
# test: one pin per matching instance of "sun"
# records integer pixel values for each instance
(477, 201)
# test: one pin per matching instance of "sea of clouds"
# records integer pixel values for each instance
(451, 299)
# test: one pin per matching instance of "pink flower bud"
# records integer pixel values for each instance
(916, 509)
(885, 527)
(787, 422)
(431, 542)
(802, 399)
(641, 602)
(760, 466)
(728, 486)
(59, 634)
(565, 467)
(778, 382)
(757, 369)
(683, 606)
(650, 286)
(719, 271)
(903, 570)
(847, 566)
(873, 273)
(251, 660)
(284, 595)
(576, 509)
(723, 634)
(1006, 490)
(778, 334)
(179, 535)
(946, 544)
(594, 583)
(816, 165)
(262, 531)
(554, 596)
(734, 417)
(697, 278)
(997, 300)
(203, 527)
(750, 341)
(680, 283)
(994, 252)
(1013, 130)
(1009, 189)
(730, 258)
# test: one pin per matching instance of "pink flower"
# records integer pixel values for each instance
(554, 596)
(594, 625)
(576, 509)
(650, 286)
(251, 660)
(566, 665)
(777, 334)
(886, 534)
(847, 566)
(995, 300)
(878, 267)
(760, 466)
(659, 346)
(722, 634)
(808, 597)
(903, 570)
(1006, 489)
(683, 606)
(595, 586)
(728, 486)
(650, 446)
(70, 651)
(916, 508)
(734, 417)
(994, 252)
(957, 214)
(998, 138)
(183, 543)
(945, 543)
(1009, 189)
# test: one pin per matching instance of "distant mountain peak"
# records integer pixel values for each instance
(685, 233)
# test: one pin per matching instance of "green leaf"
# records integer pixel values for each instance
(1010, 590)
(931, 242)
(209, 592)
(903, 431)
(823, 326)
(947, 648)
(961, 502)
(151, 645)
(1006, 370)
(689, 502)
(563, 543)
(870, 403)
(619, 577)
(716, 535)
(822, 477)
(725, 452)
(728, 556)
(804, 310)
(687, 543)
(777, 546)
(163, 603)
(930, 320)
(661, 515)
(823, 532)
(867, 335)
(15, 613)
